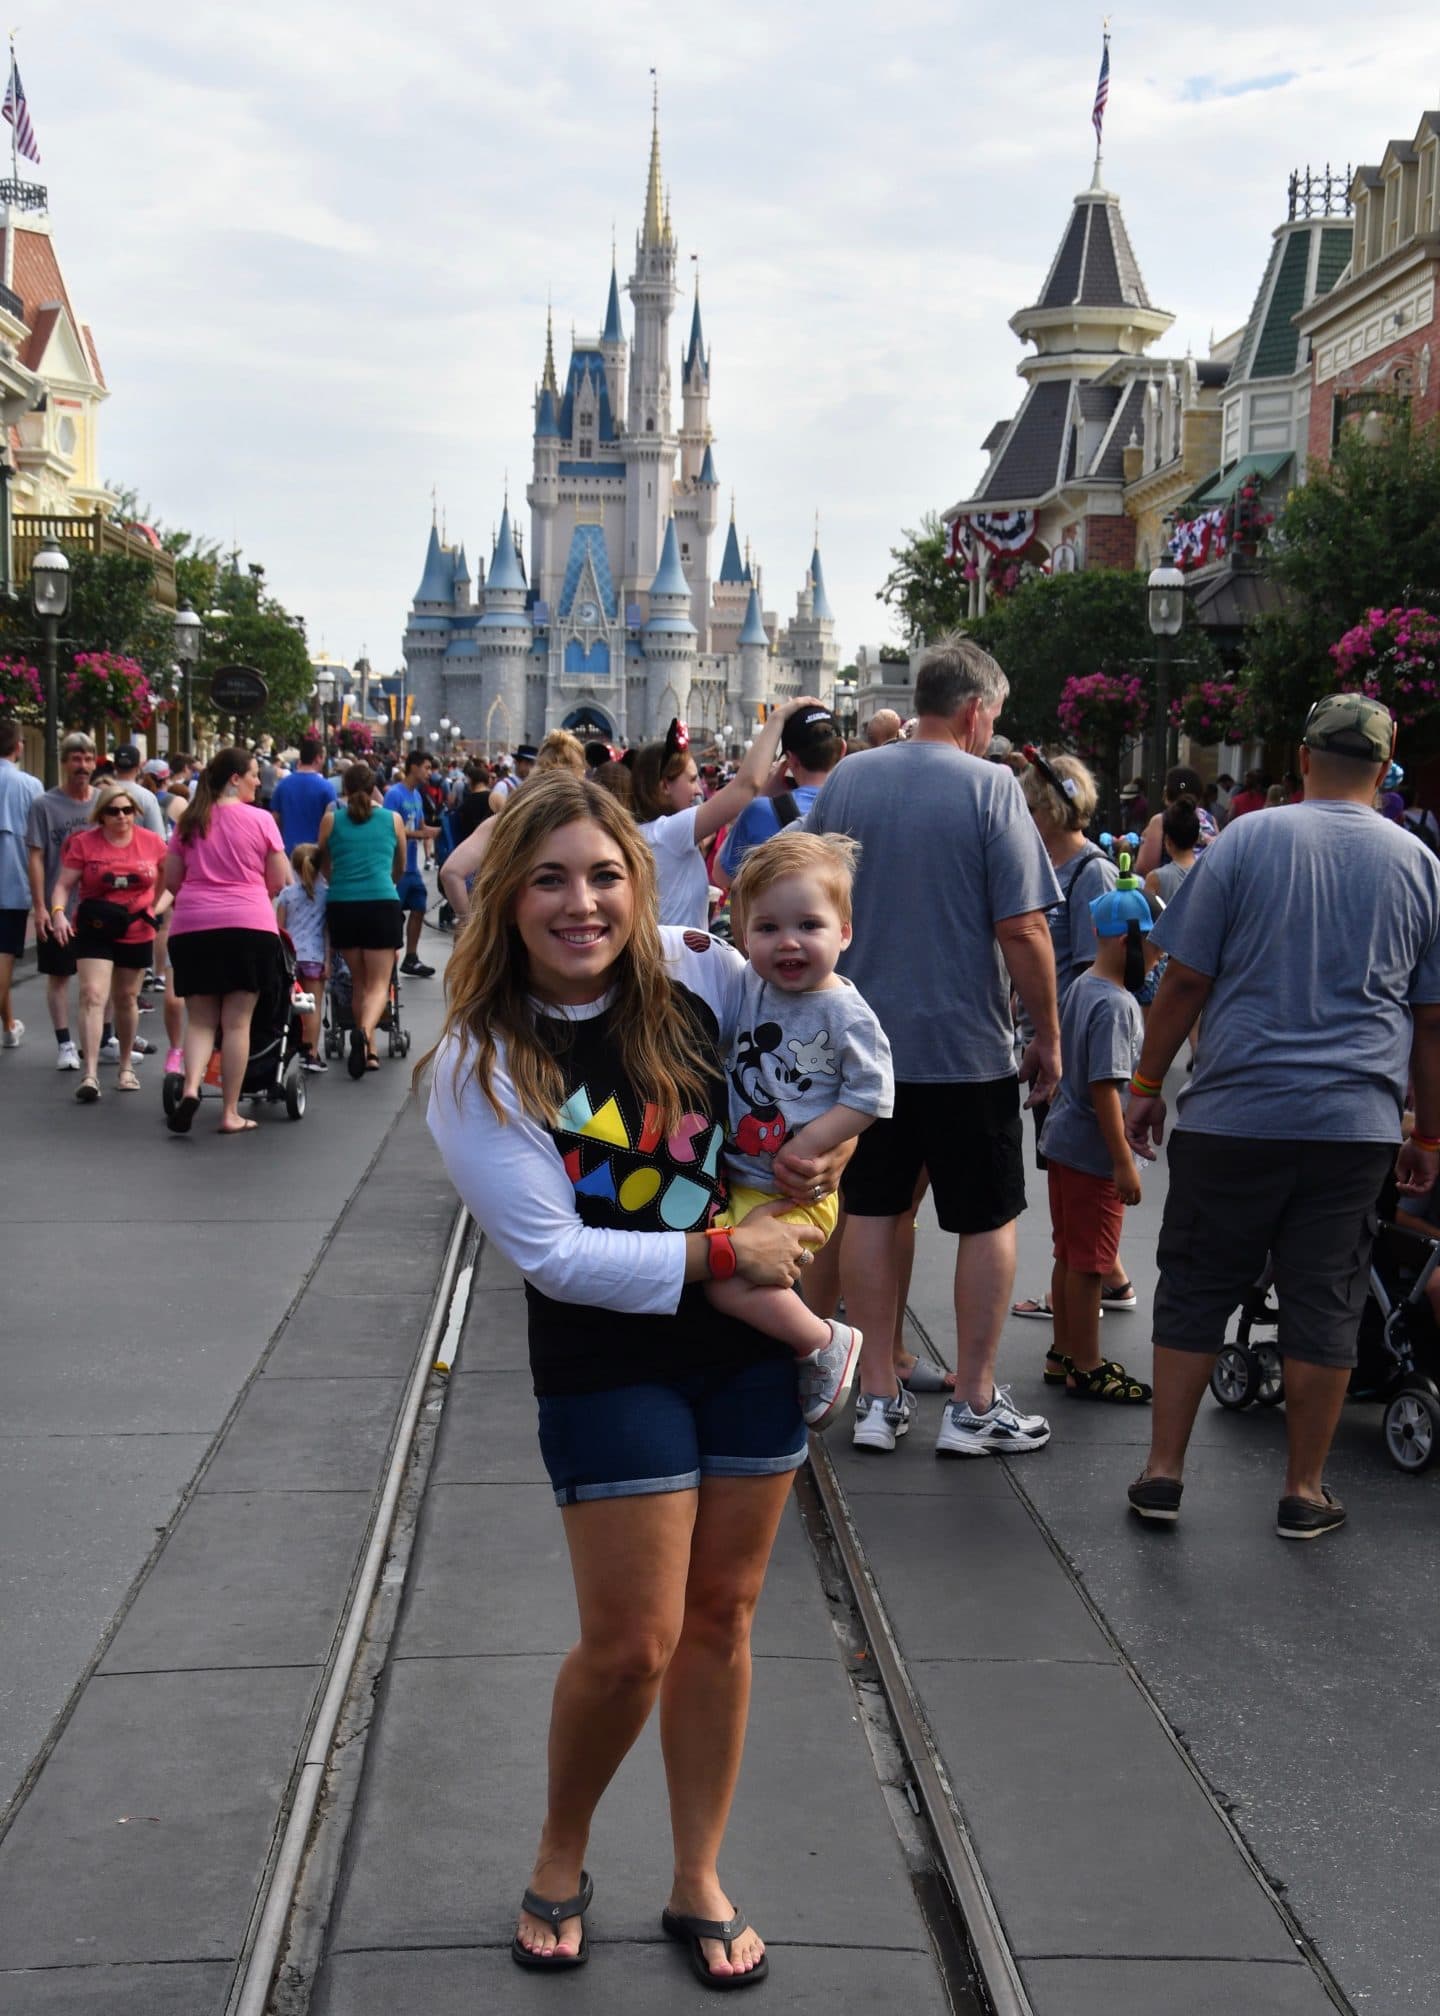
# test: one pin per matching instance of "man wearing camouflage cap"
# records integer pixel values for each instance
(1310, 939)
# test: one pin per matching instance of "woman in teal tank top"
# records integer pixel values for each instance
(362, 856)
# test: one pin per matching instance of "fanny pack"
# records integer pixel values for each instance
(101, 919)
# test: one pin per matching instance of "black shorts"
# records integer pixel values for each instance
(227, 961)
(1309, 1206)
(56, 962)
(129, 958)
(366, 927)
(12, 932)
(969, 1137)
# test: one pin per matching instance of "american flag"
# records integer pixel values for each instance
(1102, 93)
(17, 112)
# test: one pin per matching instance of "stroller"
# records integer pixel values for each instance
(275, 1071)
(340, 1012)
(1398, 1362)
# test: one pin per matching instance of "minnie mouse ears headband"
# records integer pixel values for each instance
(677, 738)
(1066, 786)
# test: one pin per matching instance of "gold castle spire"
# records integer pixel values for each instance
(656, 229)
(547, 383)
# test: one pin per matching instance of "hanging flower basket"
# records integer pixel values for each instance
(1102, 711)
(104, 686)
(1394, 655)
(1213, 710)
(22, 692)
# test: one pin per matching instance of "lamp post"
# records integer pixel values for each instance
(50, 598)
(189, 633)
(1165, 608)
(324, 695)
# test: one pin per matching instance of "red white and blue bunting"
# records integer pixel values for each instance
(996, 531)
(1195, 542)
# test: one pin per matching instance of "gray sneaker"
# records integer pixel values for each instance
(1002, 1430)
(880, 1421)
(826, 1377)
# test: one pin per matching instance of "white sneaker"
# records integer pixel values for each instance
(67, 1058)
(110, 1050)
(881, 1421)
(10, 1040)
(826, 1377)
(1001, 1431)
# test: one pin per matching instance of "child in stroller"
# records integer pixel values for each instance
(340, 1012)
(275, 1070)
(1398, 1359)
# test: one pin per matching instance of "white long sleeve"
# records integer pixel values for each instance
(512, 1181)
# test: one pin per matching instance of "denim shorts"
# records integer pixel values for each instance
(632, 1441)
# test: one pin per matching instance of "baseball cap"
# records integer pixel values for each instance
(127, 756)
(1349, 724)
(157, 767)
(810, 733)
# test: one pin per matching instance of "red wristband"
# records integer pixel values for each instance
(721, 1254)
(1428, 1144)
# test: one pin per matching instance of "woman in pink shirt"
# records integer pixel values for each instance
(226, 865)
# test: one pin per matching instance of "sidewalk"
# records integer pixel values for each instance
(454, 1773)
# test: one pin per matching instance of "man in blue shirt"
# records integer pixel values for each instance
(812, 741)
(302, 799)
(407, 800)
(18, 792)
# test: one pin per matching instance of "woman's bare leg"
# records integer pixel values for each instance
(236, 1011)
(705, 1695)
(94, 978)
(630, 1558)
(125, 994)
(202, 1019)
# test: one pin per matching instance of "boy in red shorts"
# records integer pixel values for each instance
(1093, 1174)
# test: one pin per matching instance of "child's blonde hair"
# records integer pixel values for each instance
(830, 858)
(305, 860)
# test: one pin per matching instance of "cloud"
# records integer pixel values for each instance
(316, 238)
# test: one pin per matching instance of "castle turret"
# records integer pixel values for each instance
(694, 399)
(613, 345)
(542, 493)
(649, 445)
(506, 634)
(427, 634)
(669, 639)
(754, 647)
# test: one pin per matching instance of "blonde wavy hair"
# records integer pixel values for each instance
(560, 751)
(827, 858)
(1057, 809)
(488, 980)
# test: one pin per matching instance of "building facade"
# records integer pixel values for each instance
(613, 618)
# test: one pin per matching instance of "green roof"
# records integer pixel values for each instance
(1337, 247)
(1276, 351)
(1262, 467)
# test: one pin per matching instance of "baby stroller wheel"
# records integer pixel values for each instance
(1412, 1429)
(392, 1043)
(1271, 1390)
(294, 1086)
(171, 1090)
(404, 1042)
(1237, 1377)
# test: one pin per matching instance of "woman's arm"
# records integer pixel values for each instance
(327, 827)
(751, 777)
(461, 863)
(174, 870)
(277, 873)
(397, 866)
(1151, 852)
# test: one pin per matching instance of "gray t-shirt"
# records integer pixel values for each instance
(1168, 877)
(1072, 928)
(1320, 925)
(54, 816)
(151, 817)
(794, 1057)
(948, 851)
(1101, 1031)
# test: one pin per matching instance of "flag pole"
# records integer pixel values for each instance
(15, 122)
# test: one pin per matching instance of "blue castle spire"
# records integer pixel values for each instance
(707, 468)
(820, 601)
(732, 567)
(670, 580)
(505, 568)
(696, 347)
(613, 331)
(753, 630)
(437, 584)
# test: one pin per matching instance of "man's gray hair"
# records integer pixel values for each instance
(953, 670)
(77, 741)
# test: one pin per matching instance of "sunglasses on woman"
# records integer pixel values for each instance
(119, 812)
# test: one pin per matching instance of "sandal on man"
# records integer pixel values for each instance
(1057, 1368)
(1121, 1297)
(1108, 1381)
(1036, 1310)
(690, 1931)
(555, 1914)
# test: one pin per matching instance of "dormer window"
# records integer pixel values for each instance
(587, 447)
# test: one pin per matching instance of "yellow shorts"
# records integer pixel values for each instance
(743, 1201)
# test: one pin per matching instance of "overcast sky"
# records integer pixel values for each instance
(315, 240)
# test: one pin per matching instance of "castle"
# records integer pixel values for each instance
(615, 624)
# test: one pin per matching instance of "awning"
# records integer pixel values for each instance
(1261, 467)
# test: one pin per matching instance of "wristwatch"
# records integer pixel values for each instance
(721, 1254)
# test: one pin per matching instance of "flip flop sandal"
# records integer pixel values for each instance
(88, 1091)
(179, 1121)
(690, 1931)
(1108, 1381)
(555, 1914)
(1057, 1368)
(923, 1377)
(372, 1061)
(1036, 1310)
(127, 1082)
(1123, 1297)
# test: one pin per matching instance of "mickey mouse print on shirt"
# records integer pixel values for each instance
(769, 1071)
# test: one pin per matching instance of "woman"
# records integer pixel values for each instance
(474, 808)
(1181, 782)
(579, 1103)
(117, 864)
(559, 751)
(1062, 797)
(225, 866)
(1180, 839)
(677, 819)
(362, 857)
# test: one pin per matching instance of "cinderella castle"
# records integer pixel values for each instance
(613, 621)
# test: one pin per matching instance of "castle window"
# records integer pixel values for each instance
(650, 423)
(587, 447)
(684, 552)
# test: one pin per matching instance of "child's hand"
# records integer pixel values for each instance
(1127, 1180)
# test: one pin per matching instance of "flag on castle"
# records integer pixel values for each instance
(17, 114)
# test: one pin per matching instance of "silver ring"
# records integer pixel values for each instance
(818, 1192)
(806, 1256)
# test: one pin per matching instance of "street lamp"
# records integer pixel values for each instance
(50, 598)
(324, 695)
(189, 634)
(1165, 608)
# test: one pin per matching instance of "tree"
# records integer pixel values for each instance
(1363, 532)
(927, 595)
(245, 626)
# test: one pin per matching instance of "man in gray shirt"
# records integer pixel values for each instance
(950, 904)
(1310, 938)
